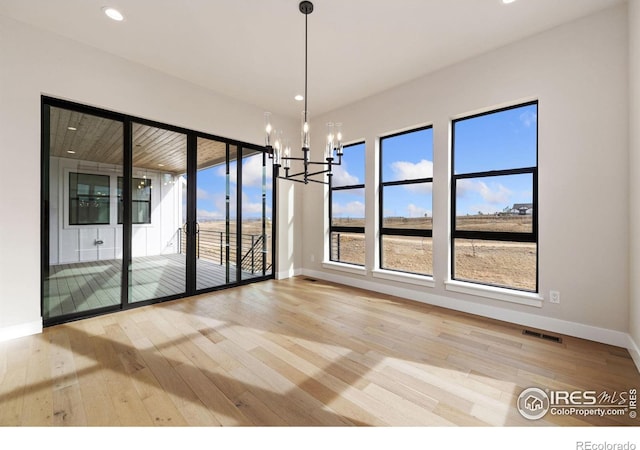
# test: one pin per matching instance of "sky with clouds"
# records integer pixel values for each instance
(212, 190)
(503, 140)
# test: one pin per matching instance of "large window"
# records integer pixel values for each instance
(406, 175)
(88, 199)
(346, 207)
(494, 198)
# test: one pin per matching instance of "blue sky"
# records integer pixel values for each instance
(504, 140)
(212, 190)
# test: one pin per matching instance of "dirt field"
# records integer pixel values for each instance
(501, 263)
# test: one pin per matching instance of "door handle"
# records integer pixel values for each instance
(197, 228)
(185, 229)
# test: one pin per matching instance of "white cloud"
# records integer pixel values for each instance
(418, 211)
(494, 194)
(351, 209)
(203, 194)
(251, 172)
(250, 208)
(203, 215)
(528, 118)
(405, 170)
(343, 178)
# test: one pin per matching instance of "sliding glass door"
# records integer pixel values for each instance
(255, 237)
(136, 212)
(158, 181)
(84, 241)
(216, 196)
(234, 206)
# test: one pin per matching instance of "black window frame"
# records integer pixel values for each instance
(134, 182)
(504, 236)
(344, 229)
(389, 231)
(88, 197)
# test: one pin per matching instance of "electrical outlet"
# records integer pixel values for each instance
(554, 296)
(312, 257)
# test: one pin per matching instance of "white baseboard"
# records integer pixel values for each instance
(17, 331)
(634, 351)
(284, 274)
(592, 333)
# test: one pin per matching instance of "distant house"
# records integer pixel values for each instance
(522, 208)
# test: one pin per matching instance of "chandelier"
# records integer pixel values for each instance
(279, 149)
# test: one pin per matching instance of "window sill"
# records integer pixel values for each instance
(411, 278)
(495, 293)
(343, 267)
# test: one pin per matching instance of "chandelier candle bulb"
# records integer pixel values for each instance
(287, 161)
(305, 130)
(277, 148)
(338, 128)
(328, 153)
(268, 129)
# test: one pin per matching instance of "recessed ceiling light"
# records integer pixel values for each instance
(161, 165)
(71, 152)
(506, 2)
(299, 98)
(72, 128)
(113, 13)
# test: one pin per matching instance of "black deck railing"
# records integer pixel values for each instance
(212, 246)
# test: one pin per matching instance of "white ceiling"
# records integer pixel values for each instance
(253, 50)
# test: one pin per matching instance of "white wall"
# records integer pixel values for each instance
(75, 243)
(579, 74)
(34, 62)
(634, 170)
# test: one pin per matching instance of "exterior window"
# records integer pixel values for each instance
(494, 198)
(140, 200)
(346, 207)
(88, 199)
(406, 175)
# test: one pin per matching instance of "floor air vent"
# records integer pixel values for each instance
(313, 280)
(547, 337)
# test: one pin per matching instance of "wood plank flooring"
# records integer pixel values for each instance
(296, 353)
(80, 287)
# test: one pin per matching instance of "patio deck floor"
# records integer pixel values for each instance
(78, 287)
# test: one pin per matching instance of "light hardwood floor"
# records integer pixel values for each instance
(295, 352)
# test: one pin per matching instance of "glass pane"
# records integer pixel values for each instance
(268, 193)
(407, 206)
(507, 264)
(255, 251)
(407, 156)
(351, 171)
(348, 248)
(347, 208)
(497, 141)
(158, 266)
(503, 203)
(212, 249)
(141, 200)
(85, 241)
(89, 202)
(407, 254)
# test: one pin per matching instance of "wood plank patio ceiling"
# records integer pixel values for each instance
(99, 140)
